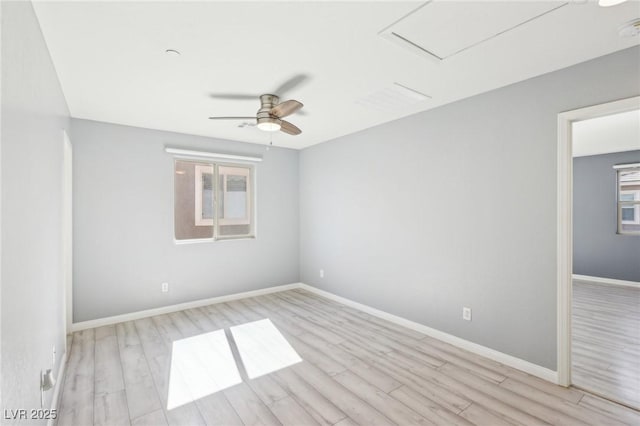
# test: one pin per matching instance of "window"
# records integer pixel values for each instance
(234, 200)
(628, 192)
(212, 201)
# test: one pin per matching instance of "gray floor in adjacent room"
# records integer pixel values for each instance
(606, 340)
(355, 369)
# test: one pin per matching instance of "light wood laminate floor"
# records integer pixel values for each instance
(606, 340)
(355, 369)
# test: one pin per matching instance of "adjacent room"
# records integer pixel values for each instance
(606, 256)
(320, 213)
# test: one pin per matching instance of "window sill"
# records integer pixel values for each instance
(211, 240)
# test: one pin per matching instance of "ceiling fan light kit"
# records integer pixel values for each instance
(269, 124)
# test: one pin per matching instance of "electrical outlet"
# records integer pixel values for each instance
(321, 273)
(165, 287)
(466, 313)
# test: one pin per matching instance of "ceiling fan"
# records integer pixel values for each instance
(271, 113)
(269, 117)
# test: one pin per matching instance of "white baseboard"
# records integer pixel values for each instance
(77, 326)
(509, 360)
(607, 281)
(57, 390)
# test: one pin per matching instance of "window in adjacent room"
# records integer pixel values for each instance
(628, 190)
(212, 201)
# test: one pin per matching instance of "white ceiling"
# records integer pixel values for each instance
(603, 135)
(110, 57)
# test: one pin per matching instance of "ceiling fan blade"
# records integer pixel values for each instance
(285, 108)
(232, 118)
(289, 128)
(290, 84)
(233, 96)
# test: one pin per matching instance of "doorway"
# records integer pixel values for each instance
(598, 242)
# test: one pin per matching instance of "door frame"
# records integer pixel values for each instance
(565, 221)
(67, 231)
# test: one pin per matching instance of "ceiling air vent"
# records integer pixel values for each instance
(393, 98)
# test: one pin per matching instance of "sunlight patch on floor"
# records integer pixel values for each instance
(200, 365)
(263, 348)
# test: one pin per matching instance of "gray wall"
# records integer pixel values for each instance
(123, 224)
(454, 207)
(34, 113)
(598, 251)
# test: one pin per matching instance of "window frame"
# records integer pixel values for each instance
(633, 204)
(620, 204)
(251, 195)
(199, 171)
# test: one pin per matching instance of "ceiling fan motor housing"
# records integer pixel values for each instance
(266, 121)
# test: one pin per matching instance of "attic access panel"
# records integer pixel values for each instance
(442, 29)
